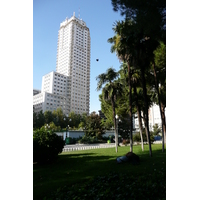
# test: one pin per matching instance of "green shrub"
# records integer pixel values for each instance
(88, 140)
(91, 140)
(73, 140)
(137, 138)
(46, 146)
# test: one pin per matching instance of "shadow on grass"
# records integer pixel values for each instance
(83, 166)
(67, 170)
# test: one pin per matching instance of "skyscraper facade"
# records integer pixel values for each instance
(73, 60)
(69, 86)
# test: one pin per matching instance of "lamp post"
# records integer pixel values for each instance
(67, 125)
(116, 131)
(66, 142)
(47, 127)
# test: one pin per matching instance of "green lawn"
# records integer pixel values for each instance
(81, 167)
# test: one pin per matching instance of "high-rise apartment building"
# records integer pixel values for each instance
(73, 60)
(71, 81)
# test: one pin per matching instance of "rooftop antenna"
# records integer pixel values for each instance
(79, 13)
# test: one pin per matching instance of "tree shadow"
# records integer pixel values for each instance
(72, 168)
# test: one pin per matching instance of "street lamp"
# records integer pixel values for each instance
(47, 126)
(116, 131)
(67, 126)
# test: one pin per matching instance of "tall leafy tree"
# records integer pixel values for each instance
(93, 126)
(135, 102)
(138, 110)
(121, 108)
(58, 117)
(35, 120)
(124, 50)
(159, 71)
(48, 116)
(106, 108)
(148, 17)
(110, 90)
(82, 121)
(74, 120)
(41, 119)
(127, 45)
(134, 52)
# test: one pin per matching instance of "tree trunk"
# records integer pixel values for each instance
(161, 112)
(144, 120)
(142, 63)
(164, 121)
(140, 126)
(130, 108)
(146, 108)
(139, 115)
(116, 132)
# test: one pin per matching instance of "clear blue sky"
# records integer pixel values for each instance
(99, 17)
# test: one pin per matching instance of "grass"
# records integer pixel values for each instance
(84, 167)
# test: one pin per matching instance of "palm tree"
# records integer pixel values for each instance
(126, 44)
(138, 110)
(134, 82)
(149, 19)
(159, 71)
(124, 52)
(111, 89)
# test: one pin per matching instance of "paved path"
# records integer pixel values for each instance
(77, 147)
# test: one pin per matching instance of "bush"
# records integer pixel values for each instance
(73, 140)
(46, 146)
(91, 140)
(137, 138)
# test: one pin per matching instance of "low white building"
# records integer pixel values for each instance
(154, 118)
(53, 95)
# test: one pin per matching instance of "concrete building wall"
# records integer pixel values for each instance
(38, 101)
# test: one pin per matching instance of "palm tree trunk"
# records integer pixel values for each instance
(116, 132)
(130, 108)
(157, 89)
(139, 115)
(146, 109)
(140, 127)
(164, 121)
(144, 120)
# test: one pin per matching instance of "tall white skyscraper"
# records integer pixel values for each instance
(73, 60)
(69, 86)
